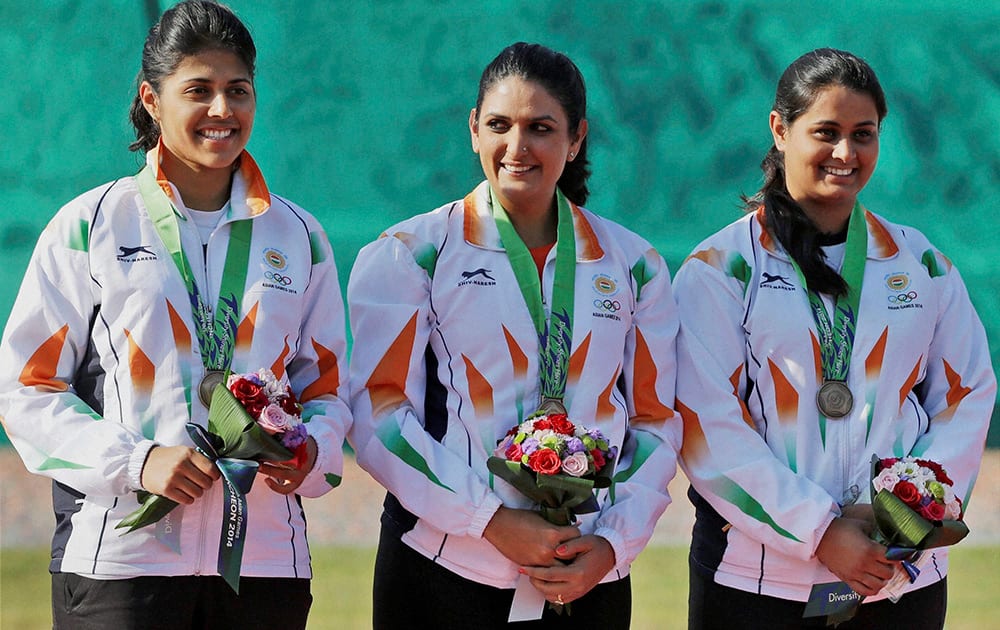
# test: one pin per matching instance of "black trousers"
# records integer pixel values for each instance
(176, 603)
(712, 606)
(412, 591)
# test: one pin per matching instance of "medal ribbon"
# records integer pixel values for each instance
(836, 341)
(555, 333)
(216, 333)
(238, 476)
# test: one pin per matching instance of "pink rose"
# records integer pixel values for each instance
(908, 494)
(273, 419)
(885, 480)
(576, 465)
(545, 461)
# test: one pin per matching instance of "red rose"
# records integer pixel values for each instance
(289, 405)
(887, 462)
(514, 452)
(560, 424)
(545, 461)
(542, 424)
(907, 493)
(938, 471)
(933, 511)
(245, 390)
(256, 407)
(598, 459)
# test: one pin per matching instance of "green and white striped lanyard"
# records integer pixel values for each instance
(836, 341)
(215, 329)
(555, 333)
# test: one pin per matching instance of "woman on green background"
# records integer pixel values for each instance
(452, 312)
(140, 294)
(781, 419)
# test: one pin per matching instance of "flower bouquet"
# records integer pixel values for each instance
(915, 509)
(556, 464)
(254, 417)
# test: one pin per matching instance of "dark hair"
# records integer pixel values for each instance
(189, 28)
(799, 86)
(562, 79)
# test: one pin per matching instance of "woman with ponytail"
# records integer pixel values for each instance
(814, 335)
(140, 296)
(453, 314)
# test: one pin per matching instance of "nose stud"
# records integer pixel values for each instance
(524, 149)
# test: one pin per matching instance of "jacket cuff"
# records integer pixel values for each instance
(137, 461)
(622, 561)
(484, 515)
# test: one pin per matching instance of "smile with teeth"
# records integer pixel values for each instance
(217, 134)
(517, 168)
(840, 172)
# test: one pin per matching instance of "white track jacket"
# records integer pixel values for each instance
(756, 447)
(99, 361)
(445, 361)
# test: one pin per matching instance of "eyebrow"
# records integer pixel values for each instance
(864, 123)
(546, 117)
(207, 80)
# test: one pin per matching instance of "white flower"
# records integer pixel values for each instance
(952, 509)
(576, 464)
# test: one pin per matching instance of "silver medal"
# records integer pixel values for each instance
(834, 399)
(552, 406)
(208, 384)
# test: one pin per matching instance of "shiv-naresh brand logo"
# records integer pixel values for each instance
(135, 254)
(775, 281)
(479, 277)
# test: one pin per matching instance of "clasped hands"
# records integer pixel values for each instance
(562, 564)
(182, 474)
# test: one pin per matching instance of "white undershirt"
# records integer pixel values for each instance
(207, 221)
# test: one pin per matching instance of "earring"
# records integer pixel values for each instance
(524, 149)
(572, 154)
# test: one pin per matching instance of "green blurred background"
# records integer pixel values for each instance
(363, 110)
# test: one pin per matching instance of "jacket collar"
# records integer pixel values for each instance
(881, 244)
(248, 198)
(481, 230)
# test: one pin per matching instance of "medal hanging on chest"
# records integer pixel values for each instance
(215, 329)
(836, 339)
(555, 333)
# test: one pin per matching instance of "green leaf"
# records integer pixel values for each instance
(242, 437)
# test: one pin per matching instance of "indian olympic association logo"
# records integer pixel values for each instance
(605, 285)
(605, 306)
(275, 276)
(900, 295)
(275, 259)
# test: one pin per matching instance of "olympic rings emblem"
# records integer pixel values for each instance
(277, 277)
(903, 298)
(608, 305)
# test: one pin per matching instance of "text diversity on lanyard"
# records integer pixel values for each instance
(555, 333)
(836, 341)
(216, 336)
(215, 329)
